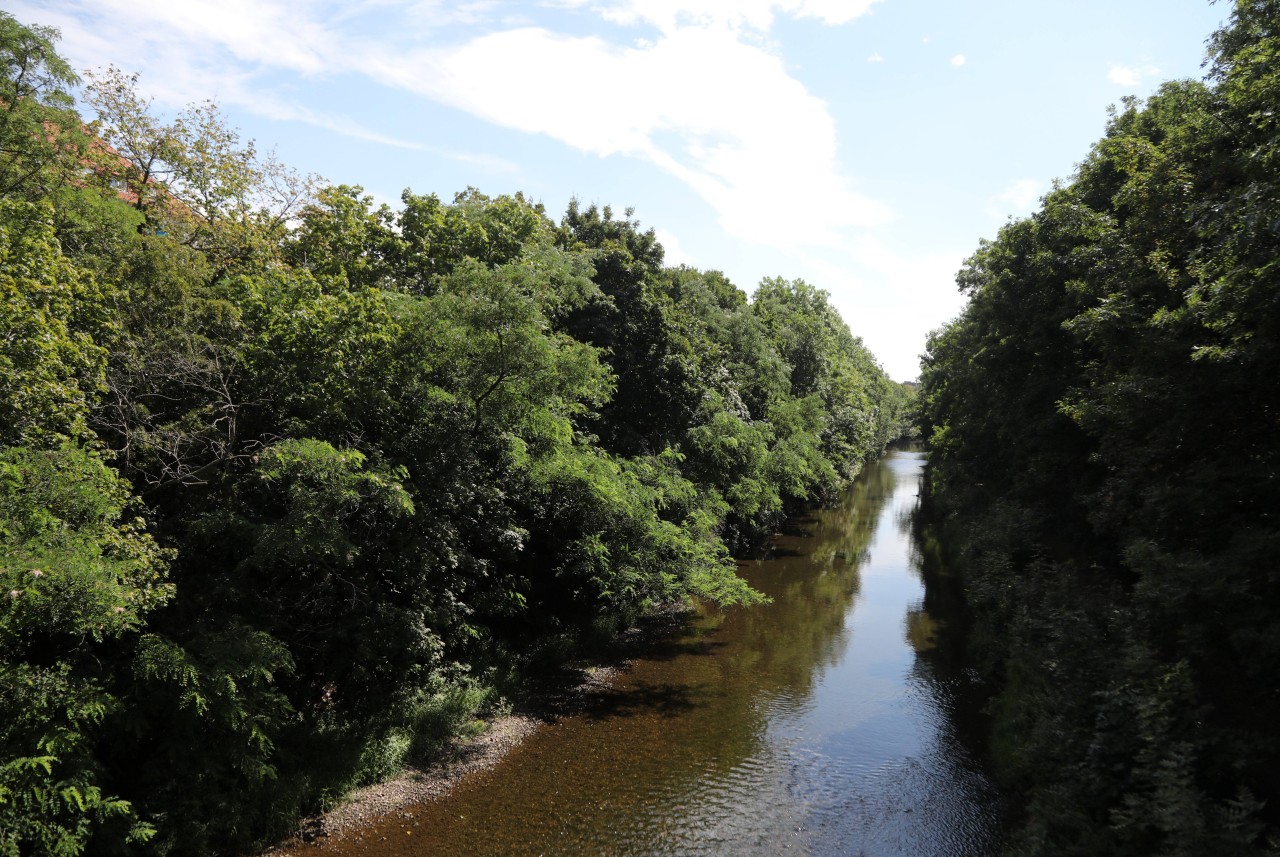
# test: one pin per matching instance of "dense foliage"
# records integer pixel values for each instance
(1104, 424)
(290, 483)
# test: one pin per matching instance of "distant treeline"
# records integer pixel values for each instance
(290, 483)
(1104, 426)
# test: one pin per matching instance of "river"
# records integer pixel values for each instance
(827, 722)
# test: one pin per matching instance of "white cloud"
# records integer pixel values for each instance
(875, 57)
(271, 106)
(1019, 197)
(716, 112)
(670, 15)
(958, 60)
(887, 294)
(829, 11)
(181, 51)
(702, 100)
(673, 253)
(440, 13)
(276, 34)
(1123, 75)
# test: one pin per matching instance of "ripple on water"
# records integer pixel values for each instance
(809, 726)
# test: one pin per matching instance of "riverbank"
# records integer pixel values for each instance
(415, 786)
(815, 723)
(570, 691)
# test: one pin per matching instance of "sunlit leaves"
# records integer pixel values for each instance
(385, 451)
(41, 139)
(54, 322)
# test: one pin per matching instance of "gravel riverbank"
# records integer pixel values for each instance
(566, 695)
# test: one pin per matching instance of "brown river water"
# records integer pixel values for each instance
(828, 722)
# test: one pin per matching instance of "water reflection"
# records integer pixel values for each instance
(821, 724)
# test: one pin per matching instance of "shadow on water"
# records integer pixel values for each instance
(834, 720)
(669, 649)
(666, 700)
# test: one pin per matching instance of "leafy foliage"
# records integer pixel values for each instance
(75, 578)
(286, 480)
(41, 139)
(1103, 447)
(56, 323)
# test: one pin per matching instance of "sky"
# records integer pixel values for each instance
(864, 146)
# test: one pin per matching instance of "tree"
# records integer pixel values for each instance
(55, 319)
(77, 577)
(436, 237)
(42, 142)
(826, 360)
(1104, 454)
(194, 177)
(339, 237)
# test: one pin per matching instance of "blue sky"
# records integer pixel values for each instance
(864, 146)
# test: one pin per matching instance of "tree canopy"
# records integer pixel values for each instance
(288, 480)
(1103, 448)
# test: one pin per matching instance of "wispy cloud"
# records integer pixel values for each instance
(1125, 75)
(271, 106)
(259, 33)
(673, 253)
(886, 292)
(1018, 198)
(186, 52)
(670, 15)
(716, 112)
(958, 60)
(702, 100)
(875, 57)
(442, 13)
(1022, 193)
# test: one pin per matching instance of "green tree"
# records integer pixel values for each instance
(436, 237)
(78, 578)
(42, 143)
(1103, 452)
(56, 320)
(194, 178)
(341, 236)
(827, 361)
